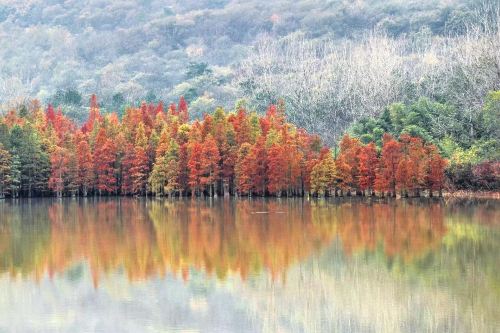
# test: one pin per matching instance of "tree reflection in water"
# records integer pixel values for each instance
(243, 237)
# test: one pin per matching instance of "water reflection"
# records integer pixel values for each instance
(151, 238)
(289, 265)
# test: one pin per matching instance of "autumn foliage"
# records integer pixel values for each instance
(156, 151)
(150, 241)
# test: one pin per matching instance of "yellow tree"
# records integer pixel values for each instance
(324, 175)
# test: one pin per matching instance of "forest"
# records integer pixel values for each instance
(415, 79)
(471, 145)
(332, 61)
(156, 151)
(162, 49)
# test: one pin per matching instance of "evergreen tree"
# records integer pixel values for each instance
(5, 172)
(15, 176)
(34, 160)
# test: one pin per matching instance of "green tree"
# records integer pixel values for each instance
(490, 116)
(15, 176)
(196, 69)
(34, 160)
(67, 97)
(4, 135)
(5, 171)
(489, 144)
(164, 176)
(158, 177)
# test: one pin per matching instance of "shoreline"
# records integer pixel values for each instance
(494, 195)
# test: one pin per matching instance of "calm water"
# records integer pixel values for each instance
(125, 265)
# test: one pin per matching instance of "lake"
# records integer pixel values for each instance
(249, 265)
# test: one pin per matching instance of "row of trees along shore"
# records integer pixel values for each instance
(153, 150)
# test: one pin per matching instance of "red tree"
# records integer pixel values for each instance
(277, 167)
(367, 167)
(94, 115)
(229, 156)
(159, 108)
(127, 183)
(50, 115)
(388, 165)
(139, 171)
(104, 164)
(241, 127)
(243, 171)
(172, 109)
(210, 158)
(195, 167)
(136, 160)
(412, 167)
(258, 166)
(85, 178)
(183, 110)
(59, 160)
(436, 166)
(183, 177)
(347, 164)
(294, 166)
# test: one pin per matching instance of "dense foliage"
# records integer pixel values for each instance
(152, 150)
(471, 144)
(331, 61)
(64, 38)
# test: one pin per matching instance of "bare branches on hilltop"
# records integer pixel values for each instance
(328, 84)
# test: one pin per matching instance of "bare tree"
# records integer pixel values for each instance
(328, 84)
